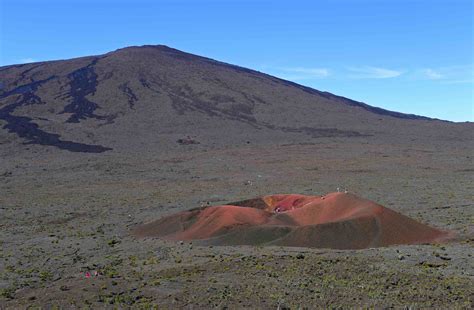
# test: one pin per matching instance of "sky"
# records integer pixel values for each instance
(411, 56)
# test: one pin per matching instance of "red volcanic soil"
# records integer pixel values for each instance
(336, 220)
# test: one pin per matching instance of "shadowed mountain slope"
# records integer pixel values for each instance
(151, 96)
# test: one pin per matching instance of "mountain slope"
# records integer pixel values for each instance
(154, 95)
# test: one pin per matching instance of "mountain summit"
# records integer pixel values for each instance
(149, 97)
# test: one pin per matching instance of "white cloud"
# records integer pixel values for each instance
(310, 72)
(373, 73)
(432, 74)
(456, 74)
(302, 73)
(27, 60)
(447, 75)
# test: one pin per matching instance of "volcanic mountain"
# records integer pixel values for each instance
(336, 220)
(147, 98)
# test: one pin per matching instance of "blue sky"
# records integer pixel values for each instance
(408, 56)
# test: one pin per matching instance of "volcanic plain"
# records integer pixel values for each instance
(92, 148)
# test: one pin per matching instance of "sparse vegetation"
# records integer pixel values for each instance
(76, 217)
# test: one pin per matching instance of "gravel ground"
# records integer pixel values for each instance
(65, 216)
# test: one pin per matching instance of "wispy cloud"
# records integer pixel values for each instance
(458, 74)
(302, 73)
(432, 74)
(372, 73)
(447, 75)
(310, 72)
(27, 60)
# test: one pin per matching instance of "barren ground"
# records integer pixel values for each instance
(63, 214)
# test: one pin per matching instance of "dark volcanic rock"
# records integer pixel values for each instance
(149, 95)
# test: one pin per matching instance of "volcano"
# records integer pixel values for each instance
(336, 220)
(152, 98)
